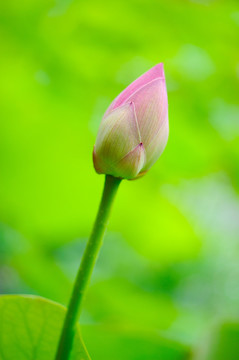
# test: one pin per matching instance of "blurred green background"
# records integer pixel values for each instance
(168, 270)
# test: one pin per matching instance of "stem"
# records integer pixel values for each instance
(86, 268)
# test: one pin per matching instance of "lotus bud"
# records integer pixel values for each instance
(134, 130)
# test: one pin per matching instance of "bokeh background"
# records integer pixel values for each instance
(168, 271)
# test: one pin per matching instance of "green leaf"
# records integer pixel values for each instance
(128, 343)
(30, 329)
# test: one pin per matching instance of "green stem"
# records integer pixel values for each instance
(86, 268)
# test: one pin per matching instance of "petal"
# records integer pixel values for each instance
(130, 166)
(118, 135)
(151, 108)
(157, 146)
(154, 73)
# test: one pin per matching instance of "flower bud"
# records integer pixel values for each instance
(134, 130)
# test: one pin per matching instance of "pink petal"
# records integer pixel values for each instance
(156, 72)
(151, 108)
